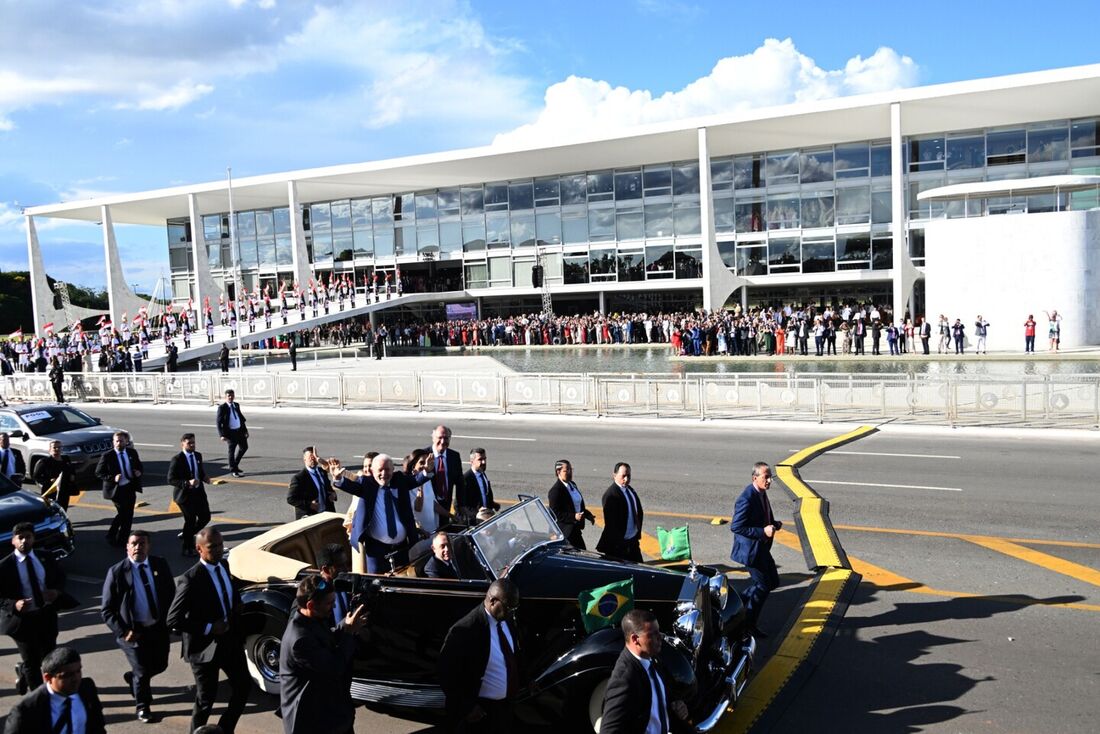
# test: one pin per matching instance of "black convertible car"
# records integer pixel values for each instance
(707, 653)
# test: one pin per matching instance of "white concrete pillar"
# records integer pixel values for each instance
(718, 281)
(120, 297)
(300, 255)
(904, 273)
(205, 286)
(603, 302)
(34, 257)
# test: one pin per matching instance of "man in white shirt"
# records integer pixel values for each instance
(637, 698)
(66, 702)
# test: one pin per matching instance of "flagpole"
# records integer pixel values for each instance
(234, 246)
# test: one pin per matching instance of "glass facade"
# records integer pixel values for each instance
(815, 210)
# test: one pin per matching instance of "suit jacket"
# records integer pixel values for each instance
(561, 504)
(196, 605)
(19, 465)
(117, 609)
(463, 659)
(437, 569)
(468, 499)
(302, 491)
(26, 624)
(314, 668)
(31, 715)
(108, 468)
(179, 474)
(614, 521)
(747, 526)
(223, 420)
(449, 493)
(366, 489)
(629, 696)
(47, 469)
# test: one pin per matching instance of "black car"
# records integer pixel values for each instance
(53, 533)
(707, 650)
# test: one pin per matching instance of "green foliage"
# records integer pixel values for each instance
(15, 300)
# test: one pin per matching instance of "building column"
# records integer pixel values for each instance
(300, 255)
(718, 281)
(205, 287)
(120, 298)
(905, 274)
(38, 290)
(603, 302)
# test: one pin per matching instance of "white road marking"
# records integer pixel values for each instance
(907, 456)
(891, 486)
(210, 425)
(156, 445)
(494, 438)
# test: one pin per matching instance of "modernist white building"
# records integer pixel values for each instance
(964, 198)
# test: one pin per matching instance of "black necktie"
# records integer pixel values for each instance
(509, 661)
(222, 591)
(391, 514)
(148, 591)
(662, 713)
(36, 588)
(64, 721)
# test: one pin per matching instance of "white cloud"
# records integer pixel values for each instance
(178, 96)
(773, 74)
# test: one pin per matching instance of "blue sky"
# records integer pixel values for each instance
(114, 97)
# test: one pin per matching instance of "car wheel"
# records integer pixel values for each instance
(595, 705)
(262, 654)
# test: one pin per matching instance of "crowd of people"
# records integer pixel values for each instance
(391, 512)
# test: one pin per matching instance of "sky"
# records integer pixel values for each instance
(115, 97)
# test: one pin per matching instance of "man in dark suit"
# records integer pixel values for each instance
(475, 491)
(206, 611)
(56, 469)
(622, 518)
(925, 333)
(233, 430)
(12, 465)
(567, 504)
(315, 662)
(310, 490)
(188, 478)
(30, 587)
(447, 465)
(223, 358)
(332, 560)
(136, 595)
(383, 523)
(479, 665)
(66, 701)
(636, 681)
(172, 363)
(753, 528)
(120, 471)
(292, 350)
(441, 565)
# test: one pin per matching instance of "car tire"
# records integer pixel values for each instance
(261, 652)
(595, 707)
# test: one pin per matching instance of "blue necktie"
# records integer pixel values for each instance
(659, 693)
(322, 499)
(391, 514)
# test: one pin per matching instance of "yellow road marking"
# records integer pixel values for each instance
(813, 519)
(1043, 560)
(940, 534)
(792, 652)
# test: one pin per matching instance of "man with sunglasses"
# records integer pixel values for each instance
(754, 527)
(315, 662)
(479, 665)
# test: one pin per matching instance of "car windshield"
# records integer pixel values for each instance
(48, 421)
(504, 538)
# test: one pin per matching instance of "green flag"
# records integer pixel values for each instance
(605, 606)
(675, 544)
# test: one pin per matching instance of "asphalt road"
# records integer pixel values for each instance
(979, 549)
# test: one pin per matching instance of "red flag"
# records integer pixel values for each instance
(101, 320)
(48, 327)
(17, 334)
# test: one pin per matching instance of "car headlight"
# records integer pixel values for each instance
(690, 627)
(720, 590)
(71, 449)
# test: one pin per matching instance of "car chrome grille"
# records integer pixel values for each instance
(389, 694)
(96, 447)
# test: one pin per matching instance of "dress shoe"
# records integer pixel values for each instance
(20, 681)
(144, 715)
(238, 473)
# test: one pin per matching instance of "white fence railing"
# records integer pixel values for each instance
(1061, 400)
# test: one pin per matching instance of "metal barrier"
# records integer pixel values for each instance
(1055, 400)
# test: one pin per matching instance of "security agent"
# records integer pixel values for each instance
(67, 702)
(233, 430)
(12, 465)
(136, 595)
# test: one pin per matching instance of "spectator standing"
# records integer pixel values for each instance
(925, 334)
(223, 357)
(1029, 334)
(65, 703)
(233, 430)
(1054, 330)
(57, 378)
(958, 331)
(945, 336)
(981, 330)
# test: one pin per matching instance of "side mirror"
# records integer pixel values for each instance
(18, 434)
(98, 421)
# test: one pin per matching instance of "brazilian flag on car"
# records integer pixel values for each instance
(675, 543)
(605, 606)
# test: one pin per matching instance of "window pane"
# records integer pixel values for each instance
(477, 275)
(425, 206)
(362, 241)
(601, 186)
(575, 269)
(496, 229)
(473, 200)
(724, 220)
(212, 227)
(687, 219)
(404, 207)
(601, 224)
(853, 247)
(853, 205)
(249, 258)
(601, 264)
(882, 253)
(817, 166)
(360, 215)
(783, 211)
(574, 230)
(246, 223)
(748, 172)
(1047, 144)
(852, 160)
(573, 189)
(284, 253)
(629, 226)
(341, 246)
(782, 168)
(548, 228)
(881, 207)
(496, 197)
(658, 259)
(521, 196)
(265, 224)
(450, 236)
(382, 211)
(916, 246)
(448, 201)
(658, 180)
(500, 270)
(473, 236)
(880, 160)
(521, 272)
(966, 152)
(818, 257)
(783, 255)
(721, 174)
(658, 220)
(817, 210)
(523, 230)
(546, 191)
(404, 239)
(341, 215)
(926, 155)
(631, 266)
(214, 255)
(427, 238)
(750, 216)
(752, 260)
(628, 185)
(689, 264)
(1006, 147)
(727, 250)
(685, 179)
